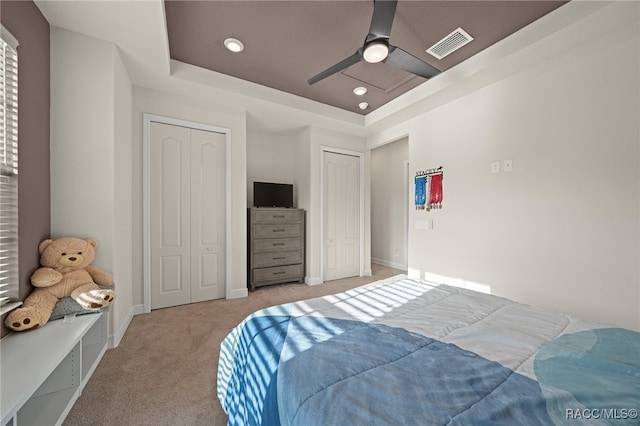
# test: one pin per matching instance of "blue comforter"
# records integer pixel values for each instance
(326, 367)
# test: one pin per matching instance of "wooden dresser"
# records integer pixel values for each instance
(275, 246)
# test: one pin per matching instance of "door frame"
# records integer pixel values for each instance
(147, 119)
(324, 149)
(407, 202)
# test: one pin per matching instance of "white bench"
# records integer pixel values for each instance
(43, 371)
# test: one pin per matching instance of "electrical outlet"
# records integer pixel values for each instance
(507, 165)
(495, 167)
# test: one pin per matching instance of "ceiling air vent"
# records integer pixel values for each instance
(450, 43)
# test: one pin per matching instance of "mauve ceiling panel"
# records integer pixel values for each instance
(288, 42)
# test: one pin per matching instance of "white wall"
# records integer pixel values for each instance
(90, 160)
(199, 111)
(123, 200)
(82, 140)
(302, 180)
(270, 158)
(561, 231)
(389, 204)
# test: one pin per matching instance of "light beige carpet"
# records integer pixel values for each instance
(164, 370)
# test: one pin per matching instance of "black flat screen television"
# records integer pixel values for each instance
(266, 194)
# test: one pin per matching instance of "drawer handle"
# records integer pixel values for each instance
(278, 230)
(279, 258)
(278, 273)
(277, 244)
(278, 216)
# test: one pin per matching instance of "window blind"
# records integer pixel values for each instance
(9, 284)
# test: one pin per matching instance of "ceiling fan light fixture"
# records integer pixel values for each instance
(359, 91)
(234, 45)
(375, 51)
(363, 105)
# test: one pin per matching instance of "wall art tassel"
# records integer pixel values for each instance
(435, 193)
(421, 192)
(429, 192)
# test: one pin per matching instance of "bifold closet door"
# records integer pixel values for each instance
(341, 216)
(187, 215)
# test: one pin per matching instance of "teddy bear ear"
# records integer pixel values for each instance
(43, 245)
(93, 242)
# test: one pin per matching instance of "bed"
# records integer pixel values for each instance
(406, 352)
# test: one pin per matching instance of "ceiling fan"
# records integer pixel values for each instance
(376, 47)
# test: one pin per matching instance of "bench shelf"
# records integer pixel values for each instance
(43, 371)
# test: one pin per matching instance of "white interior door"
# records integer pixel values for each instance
(207, 215)
(169, 205)
(341, 225)
(187, 215)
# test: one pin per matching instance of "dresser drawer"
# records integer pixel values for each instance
(277, 231)
(277, 258)
(280, 273)
(277, 216)
(260, 246)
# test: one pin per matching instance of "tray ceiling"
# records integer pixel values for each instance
(288, 42)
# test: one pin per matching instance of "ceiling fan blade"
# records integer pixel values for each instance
(345, 63)
(382, 19)
(398, 58)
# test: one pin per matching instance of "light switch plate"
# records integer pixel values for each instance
(507, 165)
(424, 224)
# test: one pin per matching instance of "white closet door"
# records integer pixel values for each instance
(207, 215)
(169, 221)
(341, 216)
(187, 219)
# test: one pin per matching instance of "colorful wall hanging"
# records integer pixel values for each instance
(429, 189)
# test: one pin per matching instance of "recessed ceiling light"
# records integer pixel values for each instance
(363, 105)
(234, 45)
(360, 90)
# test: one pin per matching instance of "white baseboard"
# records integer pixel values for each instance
(457, 282)
(313, 280)
(138, 309)
(388, 263)
(414, 274)
(237, 294)
(114, 340)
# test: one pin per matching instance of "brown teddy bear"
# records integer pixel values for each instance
(66, 271)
